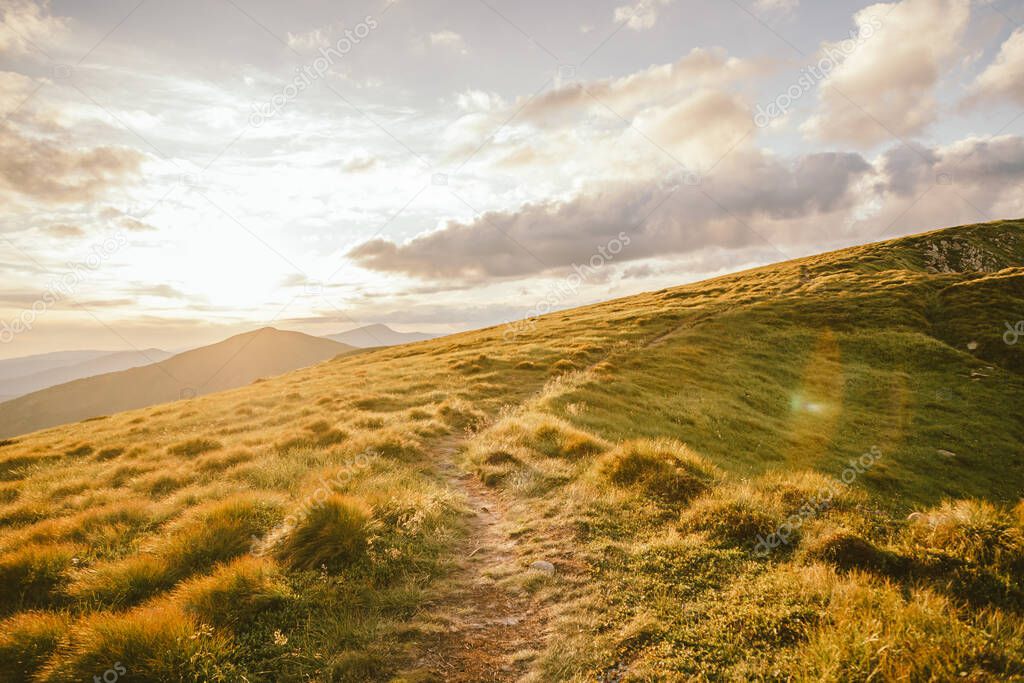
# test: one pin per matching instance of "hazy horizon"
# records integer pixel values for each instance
(208, 337)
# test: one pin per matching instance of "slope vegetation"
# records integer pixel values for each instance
(807, 471)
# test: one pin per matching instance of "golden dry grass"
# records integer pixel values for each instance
(291, 529)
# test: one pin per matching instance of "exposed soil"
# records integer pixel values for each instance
(483, 626)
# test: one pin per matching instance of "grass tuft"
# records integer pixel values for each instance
(34, 576)
(26, 642)
(847, 552)
(664, 469)
(332, 534)
(355, 667)
(213, 533)
(736, 515)
(194, 447)
(973, 531)
(234, 594)
(154, 643)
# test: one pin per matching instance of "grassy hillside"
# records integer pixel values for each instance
(234, 362)
(810, 470)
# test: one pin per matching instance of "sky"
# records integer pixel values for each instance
(172, 173)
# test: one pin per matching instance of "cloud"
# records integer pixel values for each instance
(64, 230)
(25, 299)
(311, 40)
(15, 89)
(46, 171)
(699, 129)
(25, 26)
(162, 291)
(604, 128)
(360, 164)
(659, 218)
(971, 180)
(135, 225)
(336, 37)
(1004, 77)
(641, 15)
(293, 280)
(639, 271)
(781, 7)
(885, 86)
(680, 114)
(755, 200)
(990, 165)
(124, 220)
(449, 40)
(479, 101)
(700, 67)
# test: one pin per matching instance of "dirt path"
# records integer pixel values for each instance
(480, 626)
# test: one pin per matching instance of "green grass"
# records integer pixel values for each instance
(295, 529)
(331, 534)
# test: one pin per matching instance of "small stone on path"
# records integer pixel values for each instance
(543, 566)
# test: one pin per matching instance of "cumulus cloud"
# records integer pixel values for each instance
(38, 159)
(700, 67)
(605, 127)
(658, 218)
(992, 165)
(698, 129)
(26, 25)
(754, 201)
(886, 85)
(641, 15)
(971, 180)
(48, 171)
(1004, 77)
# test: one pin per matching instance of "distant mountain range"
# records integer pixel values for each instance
(49, 370)
(27, 365)
(232, 363)
(378, 335)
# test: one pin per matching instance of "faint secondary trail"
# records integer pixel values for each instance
(691, 323)
(480, 625)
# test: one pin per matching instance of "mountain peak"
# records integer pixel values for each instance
(378, 334)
